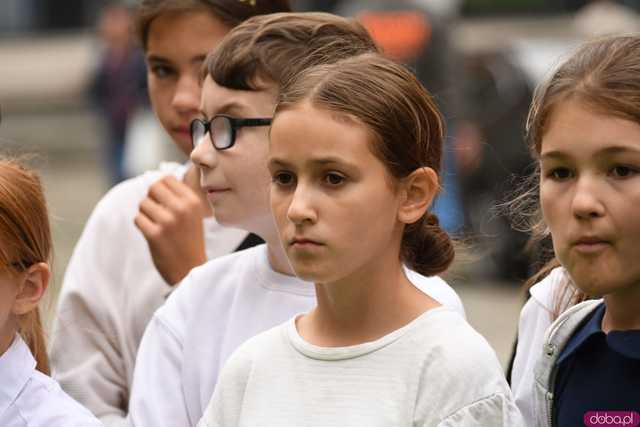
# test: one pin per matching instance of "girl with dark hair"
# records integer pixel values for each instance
(147, 233)
(576, 356)
(28, 396)
(354, 157)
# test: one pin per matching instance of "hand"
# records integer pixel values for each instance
(170, 218)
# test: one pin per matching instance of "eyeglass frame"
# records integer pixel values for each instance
(236, 124)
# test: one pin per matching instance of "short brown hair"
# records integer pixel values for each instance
(407, 129)
(231, 12)
(276, 47)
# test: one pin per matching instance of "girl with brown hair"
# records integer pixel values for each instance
(576, 356)
(354, 157)
(28, 396)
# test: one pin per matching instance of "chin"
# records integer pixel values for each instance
(310, 272)
(308, 275)
(599, 284)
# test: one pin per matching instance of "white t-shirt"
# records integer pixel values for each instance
(217, 307)
(435, 371)
(535, 318)
(111, 289)
(28, 398)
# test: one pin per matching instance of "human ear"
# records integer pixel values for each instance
(33, 284)
(418, 191)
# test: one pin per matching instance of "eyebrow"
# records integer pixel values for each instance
(160, 58)
(227, 108)
(322, 161)
(616, 149)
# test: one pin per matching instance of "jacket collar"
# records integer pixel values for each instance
(16, 368)
(626, 343)
(591, 328)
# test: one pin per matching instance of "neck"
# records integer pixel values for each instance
(364, 307)
(622, 310)
(192, 180)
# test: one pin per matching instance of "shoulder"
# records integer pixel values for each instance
(208, 290)
(43, 403)
(460, 346)
(269, 344)
(438, 289)
(459, 363)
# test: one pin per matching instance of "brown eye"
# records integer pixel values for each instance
(623, 171)
(334, 179)
(560, 174)
(283, 179)
(162, 71)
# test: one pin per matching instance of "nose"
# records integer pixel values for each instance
(186, 98)
(586, 203)
(301, 209)
(204, 155)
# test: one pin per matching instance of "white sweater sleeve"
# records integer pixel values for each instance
(86, 352)
(157, 395)
(497, 410)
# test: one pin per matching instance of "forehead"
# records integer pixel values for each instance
(218, 99)
(310, 132)
(185, 34)
(577, 128)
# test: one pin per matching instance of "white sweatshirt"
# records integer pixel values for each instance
(28, 398)
(111, 289)
(436, 371)
(215, 309)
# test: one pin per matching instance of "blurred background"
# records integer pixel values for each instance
(72, 97)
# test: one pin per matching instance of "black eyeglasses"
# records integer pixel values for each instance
(222, 130)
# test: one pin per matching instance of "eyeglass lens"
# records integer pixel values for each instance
(220, 132)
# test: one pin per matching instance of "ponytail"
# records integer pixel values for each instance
(32, 332)
(426, 247)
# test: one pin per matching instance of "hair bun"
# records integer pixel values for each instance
(427, 248)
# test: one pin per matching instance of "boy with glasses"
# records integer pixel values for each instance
(221, 304)
(146, 234)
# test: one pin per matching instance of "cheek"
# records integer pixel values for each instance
(548, 205)
(279, 206)
(159, 95)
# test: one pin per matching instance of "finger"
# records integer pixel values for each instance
(180, 189)
(162, 194)
(148, 228)
(154, 211)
